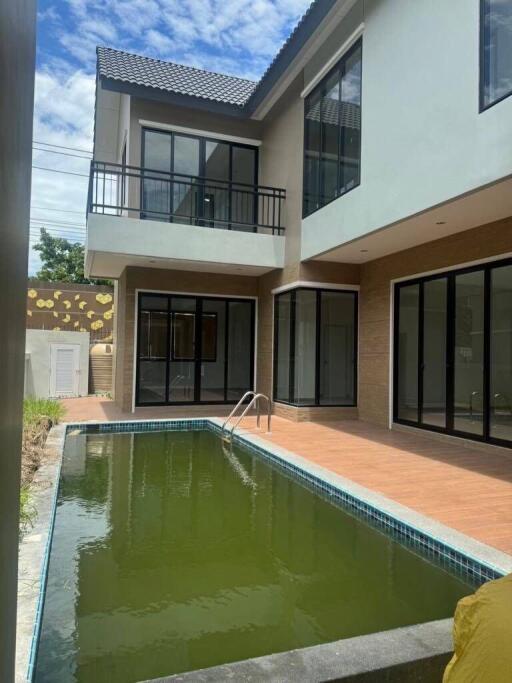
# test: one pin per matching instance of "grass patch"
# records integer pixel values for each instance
(36, 409)
(39, 416)
(27, 510)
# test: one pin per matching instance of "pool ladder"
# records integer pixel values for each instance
(228, 431)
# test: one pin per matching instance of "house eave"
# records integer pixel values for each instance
(148, 93)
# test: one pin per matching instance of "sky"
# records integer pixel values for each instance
(237, 37)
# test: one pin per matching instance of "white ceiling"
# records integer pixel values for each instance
(490, 204)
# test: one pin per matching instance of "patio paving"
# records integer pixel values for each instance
(466, 488)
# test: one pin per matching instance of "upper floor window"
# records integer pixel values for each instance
(496, 51)
(332, 133)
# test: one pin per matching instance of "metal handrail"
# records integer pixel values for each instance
(118, 190)
(247, 393)
(256, 397)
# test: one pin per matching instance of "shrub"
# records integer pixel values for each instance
(34, 409)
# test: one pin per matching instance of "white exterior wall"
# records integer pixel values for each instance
(37, 360)
(424, 140)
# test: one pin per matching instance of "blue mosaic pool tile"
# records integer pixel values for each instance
(145, 426)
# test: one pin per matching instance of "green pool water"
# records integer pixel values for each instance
(171, 553)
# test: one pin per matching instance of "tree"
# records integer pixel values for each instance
(62, 260)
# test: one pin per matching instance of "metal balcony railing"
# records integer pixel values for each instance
(120, 190)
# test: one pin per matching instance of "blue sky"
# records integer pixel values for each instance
(238, 37)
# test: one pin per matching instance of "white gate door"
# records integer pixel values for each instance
(64, 370)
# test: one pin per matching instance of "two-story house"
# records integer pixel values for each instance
(337, 235)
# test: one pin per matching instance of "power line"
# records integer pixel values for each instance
(55, 170)
(58, 228)
(51, 224)
(64, 154)
(35, 236)
(73, 149)
(48, 208)
(58, 222)
(59, 233)
(71, 228)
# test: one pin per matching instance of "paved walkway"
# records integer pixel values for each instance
(465, 488)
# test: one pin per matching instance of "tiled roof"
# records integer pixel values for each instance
(176, 78)
(241, 93)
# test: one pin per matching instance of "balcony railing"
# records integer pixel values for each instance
(121, 190)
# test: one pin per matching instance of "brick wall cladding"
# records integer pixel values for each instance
(374, 305)
(487, 241)
(211, 283)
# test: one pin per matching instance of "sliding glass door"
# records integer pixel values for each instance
(453, 352)
(198, 181)
(194, 349)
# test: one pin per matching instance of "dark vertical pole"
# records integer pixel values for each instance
(17, 68)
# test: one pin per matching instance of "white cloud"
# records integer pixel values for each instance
(64, 107)
(244, 34)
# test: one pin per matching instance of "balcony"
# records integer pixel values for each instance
(138, 216)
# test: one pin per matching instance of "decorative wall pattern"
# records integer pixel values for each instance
(71, 307)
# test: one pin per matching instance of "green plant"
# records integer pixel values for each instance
(34, 409)
(27, 510)
(39, 414)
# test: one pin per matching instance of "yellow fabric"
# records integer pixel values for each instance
(482, 636)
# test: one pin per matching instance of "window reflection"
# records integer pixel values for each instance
(496, 82)
(332, 133)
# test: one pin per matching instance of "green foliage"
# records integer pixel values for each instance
(27, 511)
(62, 260)
(36, 408)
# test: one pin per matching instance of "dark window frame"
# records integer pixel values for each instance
(450, 275)
(337, 67)
(202, 139)
(167, 297)
(484, 8)
(318, 325)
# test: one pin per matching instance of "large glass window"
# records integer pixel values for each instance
(332, 133)
(453, 352)
(496, 51)
(186, 179)
(315, 347)
(194, 349)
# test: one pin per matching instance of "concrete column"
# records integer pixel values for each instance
(17, 64)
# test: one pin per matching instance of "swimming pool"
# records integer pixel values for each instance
(172, 552)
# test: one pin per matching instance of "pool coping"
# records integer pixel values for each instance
(463, 553)
(34, 552)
